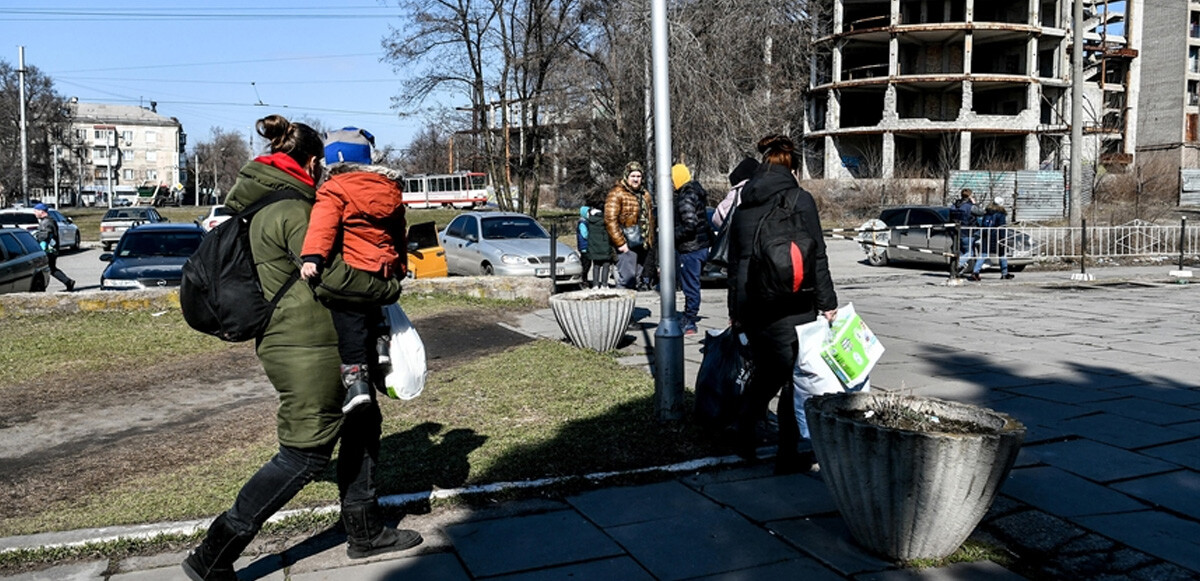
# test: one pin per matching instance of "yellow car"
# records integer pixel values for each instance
(426, 258)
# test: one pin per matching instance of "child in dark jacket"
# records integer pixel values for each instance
(599, 248)
(359, 212)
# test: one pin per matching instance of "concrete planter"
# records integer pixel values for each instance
(594, 318)
(910, 494)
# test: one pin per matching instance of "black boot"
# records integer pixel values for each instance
(357, 380)
(366, 535)
(213, 559)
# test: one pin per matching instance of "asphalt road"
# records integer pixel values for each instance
(83, 265)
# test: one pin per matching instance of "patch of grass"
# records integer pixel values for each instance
(971, 551)
(94, 341)
(539, 410)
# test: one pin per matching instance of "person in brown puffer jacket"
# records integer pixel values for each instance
(629, 219)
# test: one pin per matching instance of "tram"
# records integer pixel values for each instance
(459, 190)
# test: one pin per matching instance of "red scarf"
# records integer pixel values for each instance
(286, 164)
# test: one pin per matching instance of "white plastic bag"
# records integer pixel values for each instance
(406, 379)
(812, 375)
(853, 350)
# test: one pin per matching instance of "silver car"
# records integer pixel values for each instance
(505, 244)
(24, 218)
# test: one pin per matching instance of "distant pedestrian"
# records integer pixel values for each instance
(629, 220)
(693, 235)
(599, 248)
(47, 237)
(966, 212)
(992, 243)
(581, 243)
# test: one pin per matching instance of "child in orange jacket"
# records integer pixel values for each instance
(359, 212)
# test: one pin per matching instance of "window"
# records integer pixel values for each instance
(471, 232)
(127, 137)
(81, 134)
(457, 226)
(152, 155)
(152, 174)
(11, 246)
(127, 174)
(151, 137)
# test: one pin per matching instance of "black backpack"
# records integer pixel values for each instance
(782, 252)
(220, 293)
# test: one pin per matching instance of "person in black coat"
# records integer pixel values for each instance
(770, 327)
(693, 235)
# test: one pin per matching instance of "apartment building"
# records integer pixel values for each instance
(916, 88)
(1169, 107)
(135, 146)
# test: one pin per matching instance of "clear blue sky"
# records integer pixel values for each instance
(211, 65)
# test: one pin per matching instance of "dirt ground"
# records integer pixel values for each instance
(64, 435)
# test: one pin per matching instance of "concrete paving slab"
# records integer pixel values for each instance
(142, 562)
(829, 541)
(1062, 493)
(1186, 453)
(802, 568)
(1176, 491)
(1065, 390)
(775, 497)
(529, 542)
(625, 505)
(1032, 410)
(1172, 394)
(440, 566)
(1096, 461)
(1150, 411)
(1120, 431)
(981, 571)
(622, 568)
(1163, 535)
(703, 543)
(86, 571)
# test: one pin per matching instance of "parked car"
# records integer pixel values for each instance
(215, 215)
(933, 234)
(117, 220)
(150, 256)
(24, 218)
(426, 258)
(506, 244)
(24, 267)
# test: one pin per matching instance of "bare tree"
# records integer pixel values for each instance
(48, 126)
(220, 158)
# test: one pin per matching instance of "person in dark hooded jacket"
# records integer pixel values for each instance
(693, 236)
(770, 327)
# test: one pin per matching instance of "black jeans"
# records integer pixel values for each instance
(356, 330)
(773, 352)
(291, 469)
(56, 273)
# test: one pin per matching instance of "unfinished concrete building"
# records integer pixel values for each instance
(915, 88)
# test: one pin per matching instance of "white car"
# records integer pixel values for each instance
(506, 244)
(24, 218)
(216, 215)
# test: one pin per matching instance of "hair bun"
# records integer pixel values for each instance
(776, 142)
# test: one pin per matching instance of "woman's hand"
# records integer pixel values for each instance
(623, 248)
(830, 315)
(308, 270)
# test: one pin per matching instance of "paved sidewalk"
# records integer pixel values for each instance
(1104, 375)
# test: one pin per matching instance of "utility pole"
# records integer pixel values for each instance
(1076, 211)
(56, 175)
(24, 137)
(197, 179)
(668, 338)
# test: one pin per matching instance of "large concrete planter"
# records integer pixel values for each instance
(910, 494)
(594, 318)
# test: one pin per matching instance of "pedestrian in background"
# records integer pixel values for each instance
(966, 212)
(299, 354)
(629, 220)
(770, 327)
(995, 217)
(693, 235)
(47, 237)
(737, 180)
(581, 244)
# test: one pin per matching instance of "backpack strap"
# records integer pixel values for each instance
(248, 213)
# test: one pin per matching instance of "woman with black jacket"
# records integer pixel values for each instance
(770, 327)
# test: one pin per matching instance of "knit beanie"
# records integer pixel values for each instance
(744, 171)
(349, 145)
(632, 167)
(680, 175)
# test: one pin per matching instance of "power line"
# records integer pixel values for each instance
(74, 14)
(236, 83)
(215, 63)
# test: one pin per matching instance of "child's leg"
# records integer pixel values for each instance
(356, 348)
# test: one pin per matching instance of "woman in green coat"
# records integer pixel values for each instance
(299, 354)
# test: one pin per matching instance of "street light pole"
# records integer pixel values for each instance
(197, 196)
(1075, 211)
(24, 137)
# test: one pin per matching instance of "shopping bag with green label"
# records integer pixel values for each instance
(853, 349)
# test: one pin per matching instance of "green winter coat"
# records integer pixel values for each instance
(299, 348)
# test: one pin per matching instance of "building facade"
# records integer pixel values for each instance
(133, 146)
(917, 88)
(1169, 107)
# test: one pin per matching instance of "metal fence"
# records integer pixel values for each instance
(1136, 239)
